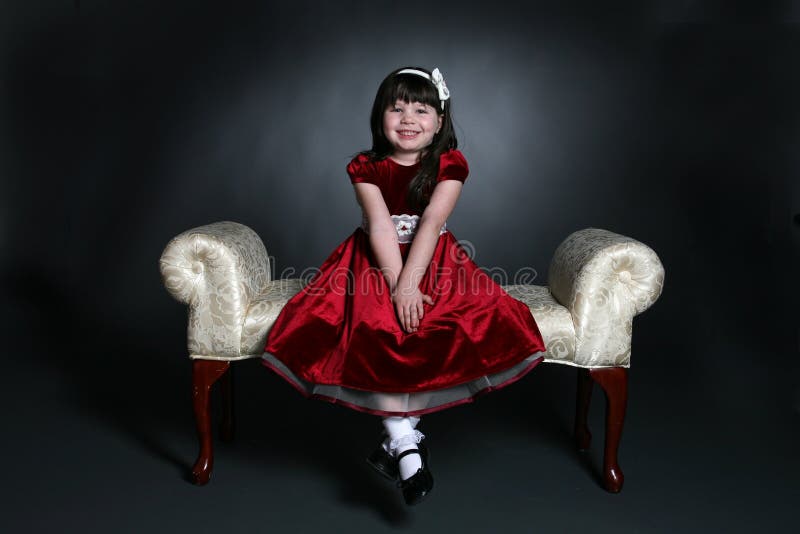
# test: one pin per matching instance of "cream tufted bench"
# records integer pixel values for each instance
(598, 282)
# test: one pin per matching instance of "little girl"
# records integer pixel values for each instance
(399, 321)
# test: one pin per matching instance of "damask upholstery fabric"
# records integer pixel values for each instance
(218, 270)
(604, 279)
(598, 282)
(554, 320)
(263, 311)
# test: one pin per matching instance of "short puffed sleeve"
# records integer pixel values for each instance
(363, 169)
(452, 166)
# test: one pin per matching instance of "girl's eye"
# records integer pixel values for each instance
(422, 110)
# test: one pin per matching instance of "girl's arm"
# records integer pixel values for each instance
(408, 298)
(382, 233)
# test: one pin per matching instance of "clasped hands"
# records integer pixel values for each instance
(408, 303)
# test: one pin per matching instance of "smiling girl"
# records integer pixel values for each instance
(399, 321)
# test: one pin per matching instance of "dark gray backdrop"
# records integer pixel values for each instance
(126, 124)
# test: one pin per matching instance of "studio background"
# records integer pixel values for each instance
(124, 124)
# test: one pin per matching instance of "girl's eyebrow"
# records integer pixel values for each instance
(401, 102)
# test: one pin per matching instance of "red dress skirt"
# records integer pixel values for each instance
(339, 338)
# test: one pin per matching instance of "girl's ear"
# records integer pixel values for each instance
(441, 117)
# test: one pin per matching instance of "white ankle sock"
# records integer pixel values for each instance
(402, 438)
(387, 442)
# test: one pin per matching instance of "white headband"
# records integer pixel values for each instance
(435, 77)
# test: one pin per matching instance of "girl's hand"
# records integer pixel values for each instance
(408, 305)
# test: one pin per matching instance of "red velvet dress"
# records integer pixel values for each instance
(339, 338)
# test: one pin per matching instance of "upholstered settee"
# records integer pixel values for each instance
(598, 281)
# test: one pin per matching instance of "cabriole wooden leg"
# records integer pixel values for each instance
(227, 426)
(204, 374)
(614, 381)
(583, 437)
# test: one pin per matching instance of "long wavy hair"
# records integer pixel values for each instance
(412, 88)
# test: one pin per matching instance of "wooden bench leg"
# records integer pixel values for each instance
(204, 374)
(614, 381)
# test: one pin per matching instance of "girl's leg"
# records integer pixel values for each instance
(395, 402)
(387, 442)
(402, 438)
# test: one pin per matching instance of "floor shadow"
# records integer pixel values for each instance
(125, 383)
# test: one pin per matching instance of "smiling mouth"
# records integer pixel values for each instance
(407, 133)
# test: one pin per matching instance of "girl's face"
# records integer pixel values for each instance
(410, 128)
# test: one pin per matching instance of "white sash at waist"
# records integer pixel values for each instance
(406, 226)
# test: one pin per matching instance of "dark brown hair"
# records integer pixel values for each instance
(411, 88)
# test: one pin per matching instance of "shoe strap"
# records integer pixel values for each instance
(407, 452)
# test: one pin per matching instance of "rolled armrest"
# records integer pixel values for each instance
(604, 279)
(217, 269)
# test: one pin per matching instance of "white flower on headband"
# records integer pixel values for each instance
(436, 79)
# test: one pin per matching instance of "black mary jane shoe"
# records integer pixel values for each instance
(386, 464)
(419, 485)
